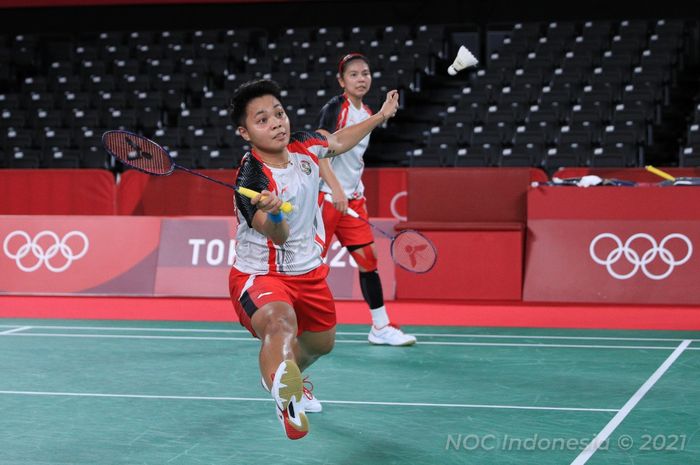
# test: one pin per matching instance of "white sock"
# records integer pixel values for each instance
(379, 317)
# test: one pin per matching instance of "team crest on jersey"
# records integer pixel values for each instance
(305, 167)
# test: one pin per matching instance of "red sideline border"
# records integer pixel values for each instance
(508, 314)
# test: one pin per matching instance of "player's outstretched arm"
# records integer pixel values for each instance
(269, 220)
(340, 201)
(343, 140)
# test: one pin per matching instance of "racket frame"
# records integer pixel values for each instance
(286, 206)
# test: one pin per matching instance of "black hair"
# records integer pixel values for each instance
(347, 59)
(248, 91)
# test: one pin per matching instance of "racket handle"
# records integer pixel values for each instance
(658, 172)
(351, 212)
(251, 194)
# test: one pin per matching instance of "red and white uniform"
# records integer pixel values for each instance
(294, 272)
(337, 114)
(297, 184)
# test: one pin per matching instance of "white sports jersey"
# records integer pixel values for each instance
(337, 114)
(297, 184)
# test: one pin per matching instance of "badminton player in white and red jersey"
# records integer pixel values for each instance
(278, 280)
(342, 180)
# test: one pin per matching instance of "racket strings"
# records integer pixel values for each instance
(138, 152)
(413, 251)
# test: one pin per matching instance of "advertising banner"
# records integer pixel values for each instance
(144, 256)
(642, 262)
(634, 245)
(98, 255)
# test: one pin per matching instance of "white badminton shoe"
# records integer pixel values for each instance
(390, 335)
(288, 392)
(310, 403)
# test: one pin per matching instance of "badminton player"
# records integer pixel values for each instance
(278, 280)
(342, 179)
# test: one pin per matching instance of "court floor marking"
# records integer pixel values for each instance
(582, 338)
(338, 402)
(338, 341)
(353, 333)
(608, 429)
(15, 330)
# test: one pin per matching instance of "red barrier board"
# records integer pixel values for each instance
(179, 194)
(386, 191)
(57, 192)
(471, 265)
(182, 194)
(613, 244)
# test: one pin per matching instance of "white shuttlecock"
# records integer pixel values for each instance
(464, 59)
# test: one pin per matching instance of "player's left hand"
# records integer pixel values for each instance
(267, 202)
(391, 104)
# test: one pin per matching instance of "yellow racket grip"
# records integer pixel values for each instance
(658, 172)
(286, 206)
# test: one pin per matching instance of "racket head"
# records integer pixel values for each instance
(413, 252)
(138, 152)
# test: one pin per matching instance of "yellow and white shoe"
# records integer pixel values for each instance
(288, 392)
(310, 403)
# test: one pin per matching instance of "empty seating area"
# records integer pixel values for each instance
(546, 94)
(557, 94)
(690, 150)
(59, 93)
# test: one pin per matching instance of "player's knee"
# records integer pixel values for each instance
(275, 320)
(365, 257)
(325, 346)
(280, 326)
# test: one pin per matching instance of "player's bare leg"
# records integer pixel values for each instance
(276, 326)
(312, 345)
(275, 323)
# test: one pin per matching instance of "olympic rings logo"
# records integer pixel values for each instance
(44, 256)
(640, 262)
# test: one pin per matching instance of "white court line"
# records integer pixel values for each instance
(116, 328)
(339, 402)
(16, 330)
(352, 333)
(128, 336)
(605, 433)
(578, 338)
(339, 341)
(514, 344)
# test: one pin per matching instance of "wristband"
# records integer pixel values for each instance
(276, 217)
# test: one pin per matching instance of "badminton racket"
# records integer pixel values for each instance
(672, 180)
(410, 249)
(147, 156)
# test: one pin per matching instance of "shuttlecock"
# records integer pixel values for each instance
(464, 59)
